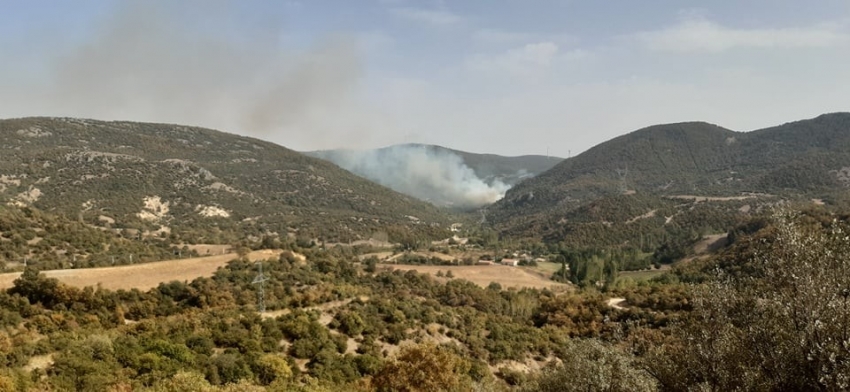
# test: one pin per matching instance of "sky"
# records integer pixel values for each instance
(510, 77)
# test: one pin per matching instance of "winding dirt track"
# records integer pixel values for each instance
(141, 276)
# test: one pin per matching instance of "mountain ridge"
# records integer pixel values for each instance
(801, 160)
(146, 176)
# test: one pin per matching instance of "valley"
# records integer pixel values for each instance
(131, 256)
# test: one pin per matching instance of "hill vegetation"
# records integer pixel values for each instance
(767, 313)
(679, 181)
(190, 184)
(330, 325)
(53, 242)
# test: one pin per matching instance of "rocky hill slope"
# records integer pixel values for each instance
(197, 183)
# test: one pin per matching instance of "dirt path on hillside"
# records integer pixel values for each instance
(142, 276)
(718, 198)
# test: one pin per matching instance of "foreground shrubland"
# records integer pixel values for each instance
(769, 313)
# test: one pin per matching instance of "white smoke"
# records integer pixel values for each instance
(438, 176)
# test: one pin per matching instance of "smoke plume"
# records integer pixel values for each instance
(188, 63)
(435, 175)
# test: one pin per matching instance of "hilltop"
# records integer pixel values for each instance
(193, 184)
(681, 177)
(438, 174)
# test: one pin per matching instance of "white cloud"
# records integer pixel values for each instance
(435, 17)
(497, 37)
(526, 59)
(529, 60)
(500, 37)
(701, 35)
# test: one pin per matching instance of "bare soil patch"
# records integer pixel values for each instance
(483, 275)
(710, 243)
(616, 303)
(39, 362)
(142, 276)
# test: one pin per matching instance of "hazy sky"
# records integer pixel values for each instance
(503, 76)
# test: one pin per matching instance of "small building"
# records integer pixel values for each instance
(510, 262)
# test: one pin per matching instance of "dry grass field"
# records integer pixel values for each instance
(141, 276)
(483, 275)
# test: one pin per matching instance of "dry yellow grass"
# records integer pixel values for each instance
(483, 275)
(141, 276)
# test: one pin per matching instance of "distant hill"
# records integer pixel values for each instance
(193, 183)
(440, 175)
(664, 166)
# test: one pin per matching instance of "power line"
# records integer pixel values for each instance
(623, 173)
(261, 295)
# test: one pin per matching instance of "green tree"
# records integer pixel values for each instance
(182, 382)
(589, 365)
(425, 367)
(271, 368)
(35, 287)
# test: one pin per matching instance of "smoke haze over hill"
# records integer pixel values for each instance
(436, 175)
(155, 61)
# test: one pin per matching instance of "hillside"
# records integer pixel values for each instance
(440, 175)
(658, 171)
(54, 242)
(192, 183)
